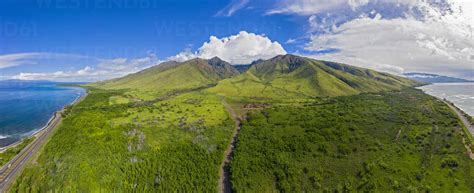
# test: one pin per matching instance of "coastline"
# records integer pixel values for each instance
(465, 118)
(459, 99)
(35, 133)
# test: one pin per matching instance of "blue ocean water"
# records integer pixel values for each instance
(461, 94)
(27, 106)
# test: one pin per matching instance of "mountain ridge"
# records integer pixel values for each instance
(170, 76)
(278, 77)
(304, 77)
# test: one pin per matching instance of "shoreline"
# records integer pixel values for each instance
(35, 133)
(445, 98)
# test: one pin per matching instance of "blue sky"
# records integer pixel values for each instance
(122, 28)
(89, 40)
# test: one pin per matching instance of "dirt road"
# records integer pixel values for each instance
(224, 173)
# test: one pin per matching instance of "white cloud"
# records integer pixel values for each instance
(17, 59)
(234, 6)
(291, 41)
(309, 7)
(242, 48)
(85, 73)
(408, 44)
(187, 54)
(11, 60)
(99, 69)
(399, 35)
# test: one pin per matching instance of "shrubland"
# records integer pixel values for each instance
(403, 141)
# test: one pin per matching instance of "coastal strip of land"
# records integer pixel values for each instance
(467, 124)
(463, 118)
(11, 169)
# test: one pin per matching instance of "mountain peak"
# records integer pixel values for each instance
(287, 57)
(216, 58)
(216, 61)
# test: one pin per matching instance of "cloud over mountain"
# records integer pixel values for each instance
(242, 48)
(412, 35)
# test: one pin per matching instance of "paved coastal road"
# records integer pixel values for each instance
(9, 171)
(467, 124)
(14, 167)
(461, 116)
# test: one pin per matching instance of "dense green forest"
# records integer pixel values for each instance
(107, 147)
(388, 142)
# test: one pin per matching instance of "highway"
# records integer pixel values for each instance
(13, 168)
(463, 119)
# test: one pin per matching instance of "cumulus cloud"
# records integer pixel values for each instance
(402, 35)
(187, 54)
(242, 48)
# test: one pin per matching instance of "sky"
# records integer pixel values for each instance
(86, 40)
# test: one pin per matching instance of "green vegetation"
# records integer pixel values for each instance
(292, 76)
(172, 76)
(278, 78)
(395, 141)
(469, 138)
(8, 154)
(313, 126)
(175, 144)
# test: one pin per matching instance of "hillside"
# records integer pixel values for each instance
(276, 78)
(433, 78)
(174, 76)
(290, 76)
(402, 141)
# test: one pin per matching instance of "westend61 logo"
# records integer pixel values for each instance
(195, 29)
(96, 4)
(17, 29)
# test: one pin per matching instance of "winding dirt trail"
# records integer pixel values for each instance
(224, 173)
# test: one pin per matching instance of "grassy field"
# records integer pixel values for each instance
(105, 146)
(389, 142)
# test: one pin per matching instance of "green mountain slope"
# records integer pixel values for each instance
(290, 75)
(174, 76)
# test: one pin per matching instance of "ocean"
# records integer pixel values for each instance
(461, 94)
(27, 106)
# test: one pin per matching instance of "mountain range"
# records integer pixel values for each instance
(280, 77)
